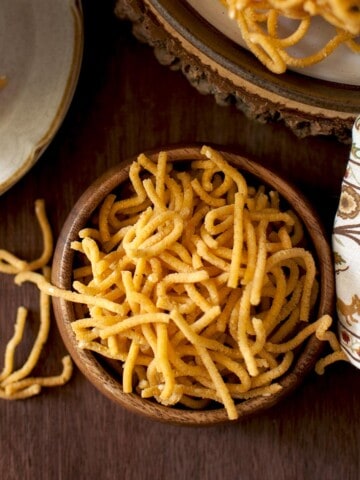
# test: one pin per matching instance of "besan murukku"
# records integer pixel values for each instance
(207, 292)
(260, 25)
(16, 383)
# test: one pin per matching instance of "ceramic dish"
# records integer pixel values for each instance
(214, 63)
(342, 66)
(41, 47)
(103, 374)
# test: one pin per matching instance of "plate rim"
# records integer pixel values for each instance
(238, 39)
(41, 144)
(252, 72)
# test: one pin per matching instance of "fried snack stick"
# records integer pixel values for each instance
(3, 81)
(259, 23)
(9, 263)
(17, 384)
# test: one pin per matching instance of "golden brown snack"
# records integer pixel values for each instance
(196, 281)
(259, 24)
(17, 383)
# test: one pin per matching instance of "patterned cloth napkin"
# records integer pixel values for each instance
(346, 247)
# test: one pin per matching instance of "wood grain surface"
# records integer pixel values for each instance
(127, 102)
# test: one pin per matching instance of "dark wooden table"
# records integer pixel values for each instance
(127, 102)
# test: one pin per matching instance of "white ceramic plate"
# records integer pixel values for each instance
(41, 44)
(342, 66)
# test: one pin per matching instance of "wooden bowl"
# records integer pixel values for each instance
(102, 376)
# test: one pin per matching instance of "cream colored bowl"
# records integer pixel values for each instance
(41, 46)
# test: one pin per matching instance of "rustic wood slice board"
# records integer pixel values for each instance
(215, 64)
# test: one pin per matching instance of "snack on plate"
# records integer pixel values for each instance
(198, 283)
(259, 22)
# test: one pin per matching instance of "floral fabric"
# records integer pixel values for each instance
(346, 247)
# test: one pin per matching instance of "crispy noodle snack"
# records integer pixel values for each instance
(198, 283)
(17, 383)
(259, 23)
